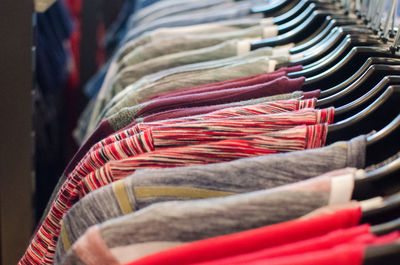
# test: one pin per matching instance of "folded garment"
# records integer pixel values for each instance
(141, 190)
(348, 236)
(193, 73)
(109, 127)
(282, 85)
(175, 222)
(195, 41)
(204, 28)
(220, 13)
(298, 138)
(151, 137)
(185, 77)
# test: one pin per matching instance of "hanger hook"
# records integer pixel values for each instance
(388, 18)
(396, 41)
(379, 16)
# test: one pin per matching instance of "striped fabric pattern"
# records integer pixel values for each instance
(293, 139)
(174, 135)
(96, 156)
(44, 242)
(257, 109)
(223, 129)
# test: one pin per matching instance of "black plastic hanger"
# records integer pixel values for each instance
(308, 29)
(297, 10)
(332, 48)
(385, 142)
(356, 23)
(386, 228)
(389, 211)
(343, 51)
(358, 104)
(295, 22)
(335, 39)
(344, 68)
(382, 112)
(383, 181)
(328, 33)
(278, 8)
(382, 255)
(292, 13)
(340, 83)
(335, 44)
(370, 78)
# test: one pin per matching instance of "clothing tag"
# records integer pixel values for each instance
(271, 65)
(371, 204)
(243, 46)
(267, 21)
(42, 5)
(296, 57)
(282, 50)
(360, 174)
(129, 253)
(288, 46)
(270, 31)
(341, 189)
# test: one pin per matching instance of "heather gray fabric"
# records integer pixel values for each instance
(194, 8)
(179, 78)
(116, 82)
(214, 14)
(125, 79)
(126, 116)
(185, 75)
(219, 51)
(167, 33)
(144, 89)
(184, 221)
(187, 42)
(206, 28)
(131, 73)
(83, 121)
(238, 176)
(163, 5)
(175, 8)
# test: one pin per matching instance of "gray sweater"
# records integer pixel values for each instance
(176, 222)
(147, 187)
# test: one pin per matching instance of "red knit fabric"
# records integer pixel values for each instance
(356, 235)
(253, 240)
(346, 254)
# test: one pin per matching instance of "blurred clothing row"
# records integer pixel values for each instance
(201, 149)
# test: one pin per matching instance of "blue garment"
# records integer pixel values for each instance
(93, 86)
(53, 28)
(119, 28)
(239, 11)
(144, 3)
(163, 9)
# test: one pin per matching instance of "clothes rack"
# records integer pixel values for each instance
(16, 83)
(290, 110)
(17, 182)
